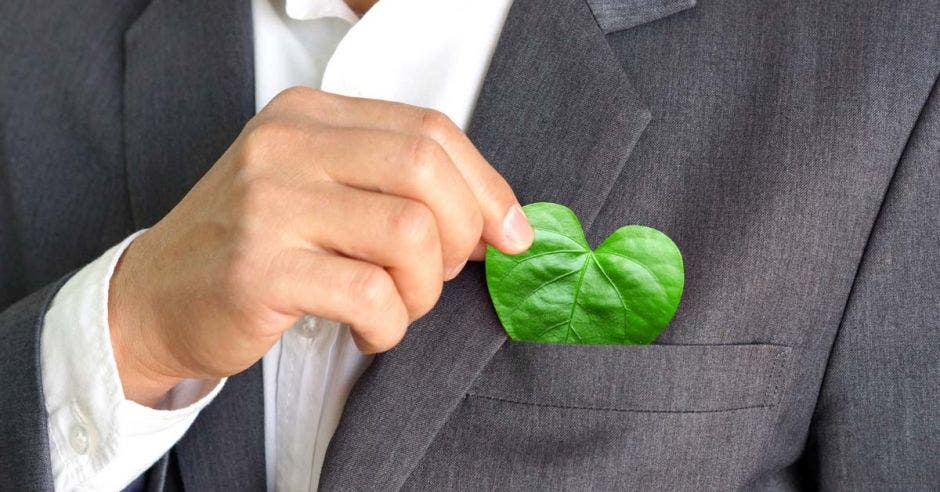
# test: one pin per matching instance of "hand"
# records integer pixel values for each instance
(349, 209)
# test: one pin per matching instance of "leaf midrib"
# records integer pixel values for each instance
(589, 256)
(577, 292)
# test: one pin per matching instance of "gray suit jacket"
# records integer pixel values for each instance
(791, 149)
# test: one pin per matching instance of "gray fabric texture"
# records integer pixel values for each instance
(23, 428)
(791, 149)
(886, 349)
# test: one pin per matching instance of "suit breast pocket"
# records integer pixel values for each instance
(650, 378)
(581, 417)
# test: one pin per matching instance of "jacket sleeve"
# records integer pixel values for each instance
(877, 419)
(24, 462)
(64, 421)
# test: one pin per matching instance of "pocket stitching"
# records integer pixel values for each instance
(775, 363)
(612, 409)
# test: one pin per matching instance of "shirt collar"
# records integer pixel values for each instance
(316, 9)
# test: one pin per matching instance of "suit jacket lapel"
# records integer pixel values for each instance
(189, 89)
(557, 114)
(558, 117)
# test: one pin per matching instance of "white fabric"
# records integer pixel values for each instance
(311, 10)
(431, 53)
(98, 439)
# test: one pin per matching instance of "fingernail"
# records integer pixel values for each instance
(516, 228)
(453, 272)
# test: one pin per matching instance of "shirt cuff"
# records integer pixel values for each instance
(98, 439)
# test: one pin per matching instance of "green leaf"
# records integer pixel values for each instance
(559, 291)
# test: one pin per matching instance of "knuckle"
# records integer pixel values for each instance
(413, 225)
(394, 335)
(296, 95)
(383, 319)
(436, 124)
(262, 141)
(314, 103)
(373, 289)
(424, 159)
(386, 333)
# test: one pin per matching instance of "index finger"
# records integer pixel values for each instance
(505, 226)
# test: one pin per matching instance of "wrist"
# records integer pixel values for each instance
(144, 378)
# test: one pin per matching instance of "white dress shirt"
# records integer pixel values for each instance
(431, 53)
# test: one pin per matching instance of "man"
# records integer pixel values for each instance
(791, 149)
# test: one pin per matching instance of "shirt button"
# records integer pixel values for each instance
(307, 326)
(78, 438)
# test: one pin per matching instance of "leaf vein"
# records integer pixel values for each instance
(520, 262)
(551, 327)
(553, 233)
(540, 287)
(649, 272)
(623, 302)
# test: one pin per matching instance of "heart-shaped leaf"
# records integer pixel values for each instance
(559, 291)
